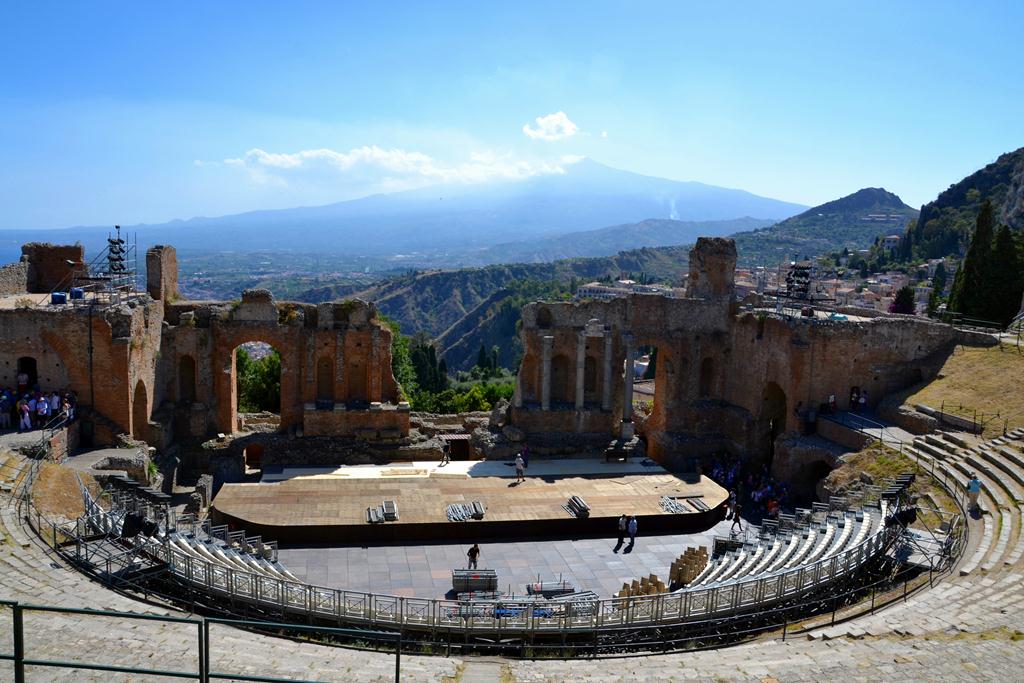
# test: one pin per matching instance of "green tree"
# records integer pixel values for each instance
(971, 284)
(940, 277)
(258, 382)
(903, 302)
(1006, 278)
(401, 359)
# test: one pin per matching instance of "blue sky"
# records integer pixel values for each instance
(145, 112)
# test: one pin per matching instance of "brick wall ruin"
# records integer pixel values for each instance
(156, 367)
(724, 379)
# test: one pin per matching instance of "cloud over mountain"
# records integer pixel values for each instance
(392, 168)
(551, 127)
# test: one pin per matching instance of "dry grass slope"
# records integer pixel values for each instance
(987, 382)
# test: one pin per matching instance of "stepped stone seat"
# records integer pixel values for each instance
(954, 439)
(940, 443)
(931, 450)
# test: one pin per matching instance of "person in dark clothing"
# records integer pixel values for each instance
(473, 555)
(736, 518)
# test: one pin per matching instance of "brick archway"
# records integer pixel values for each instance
(287, 342)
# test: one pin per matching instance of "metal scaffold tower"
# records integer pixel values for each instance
(111, 277)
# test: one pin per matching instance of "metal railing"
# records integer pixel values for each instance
(202, 672)
(516, 616)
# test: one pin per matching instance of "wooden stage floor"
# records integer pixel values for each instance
(331, 507)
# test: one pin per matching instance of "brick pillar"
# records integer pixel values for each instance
(545, 373)
(627, 406)
(606, 390)
(581, 365)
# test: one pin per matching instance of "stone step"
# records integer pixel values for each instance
(1014, 473)
(940, 443)
(954, 439)
(922, 445)
(978, 556)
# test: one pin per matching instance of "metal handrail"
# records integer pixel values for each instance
(519, 615)
(203, 671)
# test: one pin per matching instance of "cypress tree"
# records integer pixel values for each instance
(971, 285)
(1006, 283)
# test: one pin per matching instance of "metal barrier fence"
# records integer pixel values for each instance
(341, 606)
(203, 672)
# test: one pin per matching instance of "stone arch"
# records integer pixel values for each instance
(325, 379)
(707, 378)
(562, 380)
(236, 402)
(804, 482)
(186, 379)
(140, 412)
(544, 318)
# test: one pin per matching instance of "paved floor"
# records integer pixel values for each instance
(425, 570)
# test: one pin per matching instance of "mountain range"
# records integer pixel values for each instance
(451, 220)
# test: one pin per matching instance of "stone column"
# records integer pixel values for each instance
(545, 372)
(581, 366)
(627, 406)
(606, 389)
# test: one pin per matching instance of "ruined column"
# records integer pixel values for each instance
(581, 365)
(627, 406)
(606, 389)
(545, 372)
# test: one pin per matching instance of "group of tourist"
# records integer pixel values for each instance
(858, 400)
(757, 492)
(26, 409)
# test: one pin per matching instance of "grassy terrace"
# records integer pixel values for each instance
(882, 462)
(983, 382)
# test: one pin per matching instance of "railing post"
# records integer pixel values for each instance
(19, 645)
(204, 651)
(398, 657)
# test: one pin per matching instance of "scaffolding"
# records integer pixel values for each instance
(110, 278)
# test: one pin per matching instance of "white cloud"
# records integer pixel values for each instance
(604, 135)
(379, 169)
(551, 127)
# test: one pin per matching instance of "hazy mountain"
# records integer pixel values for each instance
(450, 219)
(654, 232)
(853, 221)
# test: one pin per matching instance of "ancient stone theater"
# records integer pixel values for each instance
(345, 518)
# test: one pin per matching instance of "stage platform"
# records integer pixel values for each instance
(328, 505)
